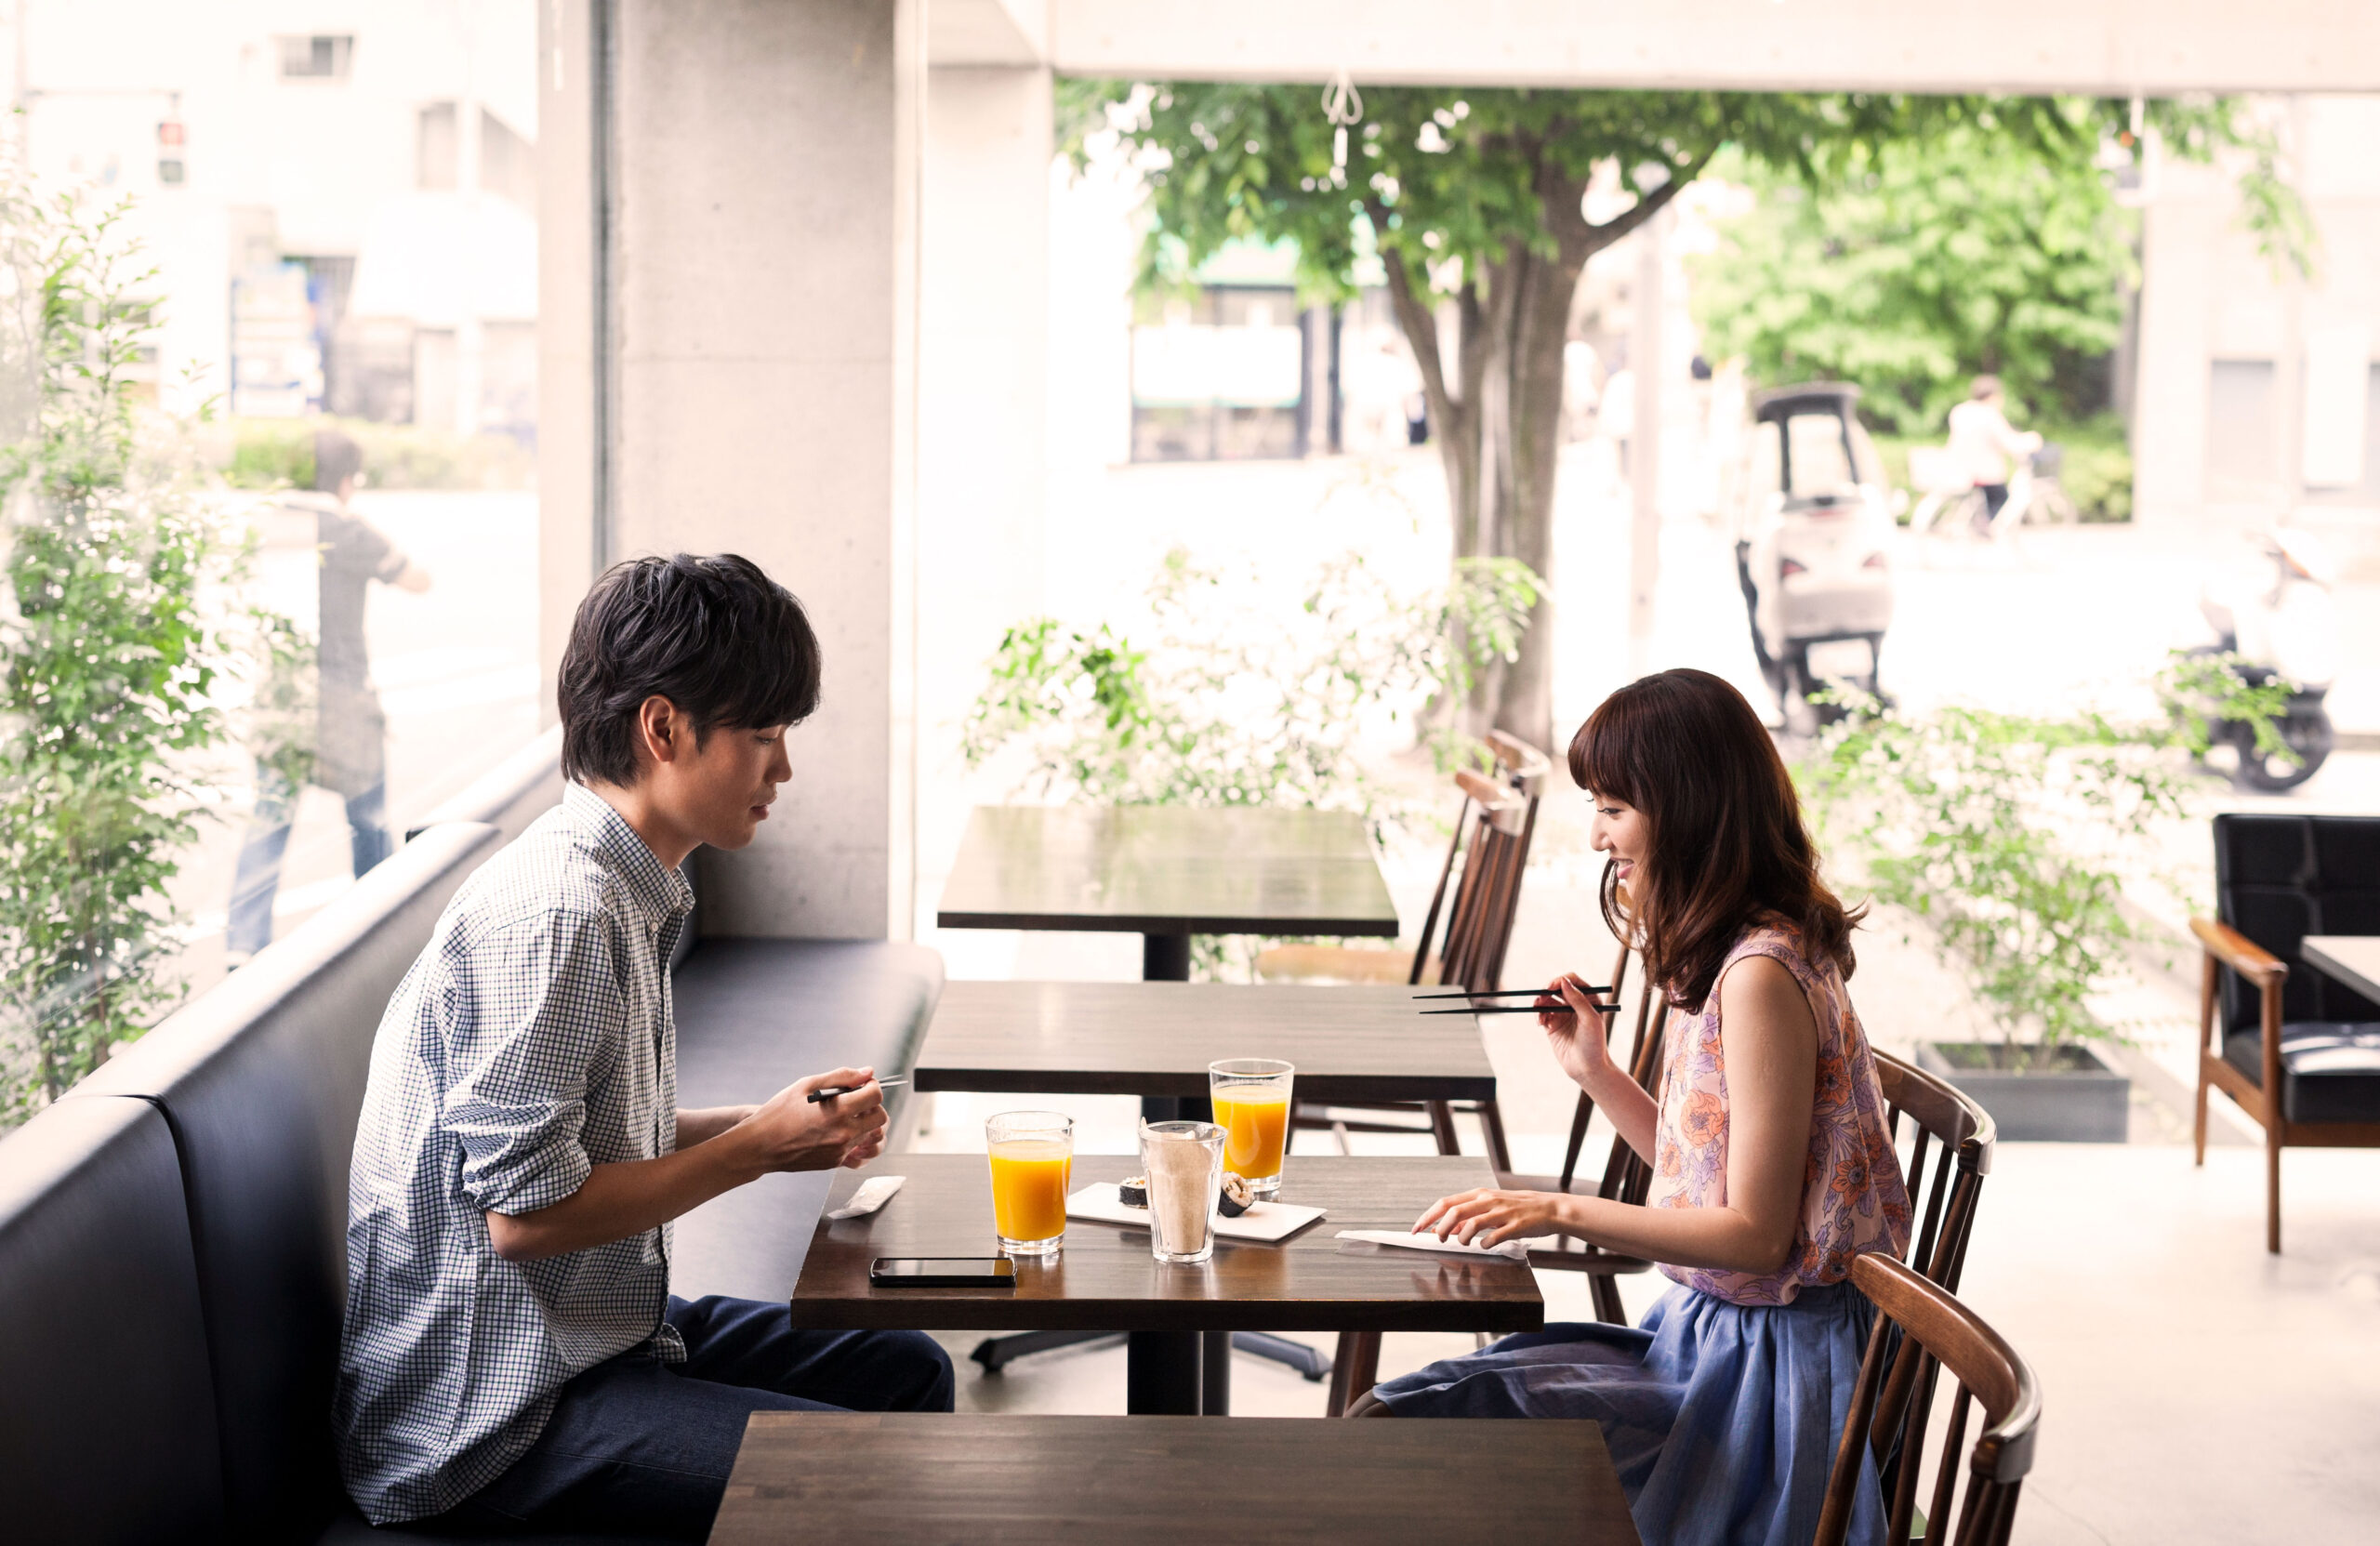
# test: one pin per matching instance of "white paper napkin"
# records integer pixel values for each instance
(873, 1194)
(1511, 1251)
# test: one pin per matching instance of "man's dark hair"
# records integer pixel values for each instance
(723, 643)
(337, 458)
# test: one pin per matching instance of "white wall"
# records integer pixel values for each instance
(2209, 295)
(983, 423)
(2108, 47)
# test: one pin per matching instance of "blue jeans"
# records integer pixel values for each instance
(635, 1445)
(259, 873)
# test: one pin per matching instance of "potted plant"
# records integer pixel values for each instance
(2013, 840)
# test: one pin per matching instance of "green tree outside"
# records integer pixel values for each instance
(1913, 271)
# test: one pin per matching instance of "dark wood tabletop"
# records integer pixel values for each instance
(915, 1479)
(1167, 869)
(1157, 1039)
(1104, 1279)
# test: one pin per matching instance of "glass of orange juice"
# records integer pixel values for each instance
(1033, 1156)
(1252, 1097)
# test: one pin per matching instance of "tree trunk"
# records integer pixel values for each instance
(1498, 419)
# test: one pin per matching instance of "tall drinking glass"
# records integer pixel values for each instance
(1033, 1154)
(1184, 1161)
(1251, 1098)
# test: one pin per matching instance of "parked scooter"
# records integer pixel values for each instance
(2275, 611)
(1813, 547)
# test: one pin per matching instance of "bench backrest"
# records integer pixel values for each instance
(107, 1407)
(262, 1082)
(509, 796)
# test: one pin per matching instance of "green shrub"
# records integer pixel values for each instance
(2015, 838)
(276, 452)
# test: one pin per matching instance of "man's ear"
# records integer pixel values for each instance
(661, 729)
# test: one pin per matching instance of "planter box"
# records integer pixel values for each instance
(2078, 1100)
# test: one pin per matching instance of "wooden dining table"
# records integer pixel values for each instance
(906, 1478)
(1348, 1043)
(1167, 872)
(1156, 1040)
(1105, 1279)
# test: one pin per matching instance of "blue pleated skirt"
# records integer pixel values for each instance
(1722, 1419)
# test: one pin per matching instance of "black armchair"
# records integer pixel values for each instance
(2299, 1052)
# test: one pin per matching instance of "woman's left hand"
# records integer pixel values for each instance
(1490, 1217)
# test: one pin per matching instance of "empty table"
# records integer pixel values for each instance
(904, 1477)
(1357, 1043)
(1167, 872)
(2353, 960)
(1105, 1280)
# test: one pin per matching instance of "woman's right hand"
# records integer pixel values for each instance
(1574, 1029)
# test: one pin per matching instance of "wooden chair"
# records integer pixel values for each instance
(1491, 846)
(2297, 1051)
(1928, 1325)
(1626, 1177)
(1521, 769)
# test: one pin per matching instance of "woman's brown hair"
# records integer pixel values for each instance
(1725, 842)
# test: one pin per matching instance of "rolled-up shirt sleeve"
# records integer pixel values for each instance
(545, 1013)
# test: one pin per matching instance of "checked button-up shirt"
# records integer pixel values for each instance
(531, 1042)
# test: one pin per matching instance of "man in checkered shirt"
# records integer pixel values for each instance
(512, 1358)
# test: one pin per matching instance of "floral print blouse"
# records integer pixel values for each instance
(1853, 1197)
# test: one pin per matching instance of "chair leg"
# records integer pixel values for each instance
(1354, 1371)
(2200, 1128)
(2272, 1188)
(1605, 1290)
(1491, 1122)
(1441, 1125)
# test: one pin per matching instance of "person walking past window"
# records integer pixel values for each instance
(1981, 441)
(349, 756)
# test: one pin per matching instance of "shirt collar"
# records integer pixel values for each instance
(661, 894)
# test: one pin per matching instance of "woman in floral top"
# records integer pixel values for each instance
(1772, 1154)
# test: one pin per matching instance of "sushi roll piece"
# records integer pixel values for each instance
(1237, 1196)
(1133, 1193)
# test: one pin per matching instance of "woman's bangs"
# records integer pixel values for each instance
(1600, 762)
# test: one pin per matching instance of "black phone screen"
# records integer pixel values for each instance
(944, 1272)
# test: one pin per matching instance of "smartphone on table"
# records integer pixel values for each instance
(942, 1272)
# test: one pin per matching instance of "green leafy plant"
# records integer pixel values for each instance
(2015, 838)
(1240, 704)
(110, 654)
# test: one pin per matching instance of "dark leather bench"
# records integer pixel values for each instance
(172, 1264)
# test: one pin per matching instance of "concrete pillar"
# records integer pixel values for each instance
(983, 411)
(762, 203)
(2182, 238)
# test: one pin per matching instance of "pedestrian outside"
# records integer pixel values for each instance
(349, 750)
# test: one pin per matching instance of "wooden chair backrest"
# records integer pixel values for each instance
(1942, 1207)
(1498, 821)
(1626, 1176)
(1919, 1314)
(1961, 1134)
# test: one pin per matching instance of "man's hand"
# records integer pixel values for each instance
(792, 1132)
(629, 1196)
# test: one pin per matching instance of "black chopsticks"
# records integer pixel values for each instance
(1507, 993)
(828, 1093)
(1518, 1008)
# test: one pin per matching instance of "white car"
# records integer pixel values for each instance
(1814, 532)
